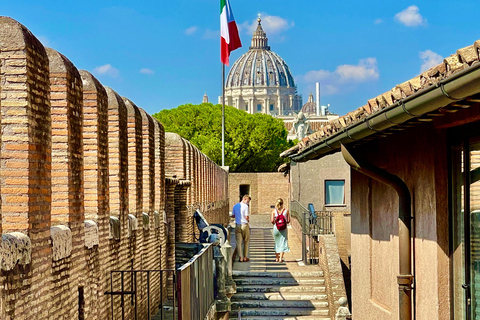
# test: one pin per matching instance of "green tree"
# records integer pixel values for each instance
(252, 142)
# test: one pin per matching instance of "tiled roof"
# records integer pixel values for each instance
(459, 61)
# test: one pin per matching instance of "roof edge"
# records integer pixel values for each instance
(454, 88)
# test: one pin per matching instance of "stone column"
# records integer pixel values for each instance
(227, 252)
(222, 302)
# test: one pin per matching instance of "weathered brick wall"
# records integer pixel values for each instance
(66, 98)
(204, 185)
(25, 167)
(265, 189)
(96, 192)
(85, 189)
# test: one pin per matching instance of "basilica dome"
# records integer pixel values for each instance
(260, 66)
(260, 81)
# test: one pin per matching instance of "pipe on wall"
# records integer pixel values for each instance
(405, 277)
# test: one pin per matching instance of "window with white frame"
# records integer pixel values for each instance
(334, 192)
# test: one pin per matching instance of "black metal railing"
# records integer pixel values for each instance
(132, 290)
(314, 223)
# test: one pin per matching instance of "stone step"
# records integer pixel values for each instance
(249, 312)
(277, 304)
(240, 281)
(277, 296)
(294, 274)
(282, 289)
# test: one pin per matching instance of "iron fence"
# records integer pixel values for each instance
(132, 289)
(314, 223)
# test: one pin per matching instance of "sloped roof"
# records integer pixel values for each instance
(463, 59)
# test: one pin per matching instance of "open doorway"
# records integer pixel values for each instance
(243, 190)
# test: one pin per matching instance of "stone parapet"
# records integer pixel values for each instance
(91, 234)
(15, 248)
(61, 242)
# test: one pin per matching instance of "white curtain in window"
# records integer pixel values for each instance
(334, 192)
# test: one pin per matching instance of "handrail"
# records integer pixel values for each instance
(195, 285)
(301, 205)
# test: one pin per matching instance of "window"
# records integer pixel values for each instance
(334, 192)
(465, 227)
(271, 107)
(259, 107)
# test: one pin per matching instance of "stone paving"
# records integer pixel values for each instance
(270, 290)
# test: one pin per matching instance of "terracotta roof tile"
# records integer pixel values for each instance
(406, 89)
(453, 64)
(415, 84)
(461, 60)
(468, 54)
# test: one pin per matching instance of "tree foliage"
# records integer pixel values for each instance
(252, 142)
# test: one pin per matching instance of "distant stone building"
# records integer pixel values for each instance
(261, 82)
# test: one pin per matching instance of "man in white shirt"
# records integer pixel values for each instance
(242, 230)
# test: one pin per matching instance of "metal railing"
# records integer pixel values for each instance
(135, 291)
(314, 223)
(195, 283)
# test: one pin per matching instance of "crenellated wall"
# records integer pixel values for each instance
(89, 184)
(202, 185)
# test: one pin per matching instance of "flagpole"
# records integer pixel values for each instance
(223, 115)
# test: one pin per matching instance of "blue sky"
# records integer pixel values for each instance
(161, 54)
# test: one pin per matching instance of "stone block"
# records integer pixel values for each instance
(91, 234)
(156, 219)
(61, 242)
(15, 248)
(132, 224)
(146, 221)
(114, 228)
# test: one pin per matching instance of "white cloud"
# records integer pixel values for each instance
(191, 30)
(211, 34)
(344, 76)
(272, 25)
(411, 17)
(430, 59)
(146, 71)
(107, 70)
(378, 21)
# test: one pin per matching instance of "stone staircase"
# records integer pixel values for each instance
(270, 290)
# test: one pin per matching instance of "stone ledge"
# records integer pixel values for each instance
(114, 228)
(15, 248)
(61, 242)
(132, 224)
(156, 219)
(91, 234)
(146, 221)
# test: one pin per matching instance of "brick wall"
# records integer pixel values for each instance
(203, 186)
(87, 188)
(265, 189)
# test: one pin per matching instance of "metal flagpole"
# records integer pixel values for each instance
(223, 115)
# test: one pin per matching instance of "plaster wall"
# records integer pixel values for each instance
(418, 156)
(308, 181)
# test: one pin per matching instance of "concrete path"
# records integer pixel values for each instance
(270, 290)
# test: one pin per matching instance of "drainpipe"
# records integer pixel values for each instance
(405, 278)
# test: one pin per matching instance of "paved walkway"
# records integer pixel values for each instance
(262, 253)
(270, 290)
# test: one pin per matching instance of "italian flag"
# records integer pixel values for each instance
(228, 32)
